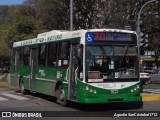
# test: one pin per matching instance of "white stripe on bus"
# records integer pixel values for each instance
(48, 80)
(65, 82)
(25, 76)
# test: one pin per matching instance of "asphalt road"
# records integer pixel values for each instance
(15, 102)
(154, 88)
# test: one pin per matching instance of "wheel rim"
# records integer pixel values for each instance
(22, 88)
(60, 95)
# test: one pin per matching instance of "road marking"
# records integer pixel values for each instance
(14, 96)
(3, 99)
(150, 98)
(152, 90)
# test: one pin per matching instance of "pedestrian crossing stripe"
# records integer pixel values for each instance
(3, 99)
(10, 95)
(14, 96)
(152, 90)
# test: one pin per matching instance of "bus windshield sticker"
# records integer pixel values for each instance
(65, 62)
(59, 62)
(116, 74)
(111, 66)
(93, 75)
(89, 37)
(95, 80)
(81, 75)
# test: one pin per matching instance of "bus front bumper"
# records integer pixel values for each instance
(110, 100)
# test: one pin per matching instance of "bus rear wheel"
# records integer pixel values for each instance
(22, 89)
(60, 96)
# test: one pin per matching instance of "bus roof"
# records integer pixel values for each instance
(57, 35)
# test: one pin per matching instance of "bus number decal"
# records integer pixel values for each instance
(102, 36)
(96, 35)
(42, 72)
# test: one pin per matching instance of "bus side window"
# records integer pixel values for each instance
(20, 57)
(42, 55)
(64, 48)
(26, 56)
(52, 54)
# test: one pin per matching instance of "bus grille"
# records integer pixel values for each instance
(119, 99)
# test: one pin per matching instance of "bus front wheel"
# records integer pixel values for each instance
(60, 96)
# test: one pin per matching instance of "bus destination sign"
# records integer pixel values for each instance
(108, 36)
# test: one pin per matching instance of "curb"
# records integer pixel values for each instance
(150, 98)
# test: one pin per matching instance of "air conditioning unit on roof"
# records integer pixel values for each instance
(53, 32)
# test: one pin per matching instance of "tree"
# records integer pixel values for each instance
(5, 51)
(151, 26)
(23, 27)
(86, 13)
(55, 14)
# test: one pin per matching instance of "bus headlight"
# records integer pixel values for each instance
(87, 88)
(94, 91)
(91, 90)
(137, 86)
(135, 89)
(131, 90)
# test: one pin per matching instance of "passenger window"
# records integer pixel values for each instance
(26, 56)
(63, 59)
(42, 55)
(52, 54)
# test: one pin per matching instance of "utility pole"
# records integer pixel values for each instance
(71, 15)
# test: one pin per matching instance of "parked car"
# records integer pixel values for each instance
(144, 78)
(155, 76)
(4, 68)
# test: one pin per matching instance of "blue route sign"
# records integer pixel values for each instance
(89, 37)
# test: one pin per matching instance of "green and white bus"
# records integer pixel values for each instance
(85, 66)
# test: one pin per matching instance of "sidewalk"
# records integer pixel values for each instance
(5, 83)
(6, 86)
(146, 97)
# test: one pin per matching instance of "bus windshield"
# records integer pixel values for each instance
(111, 63)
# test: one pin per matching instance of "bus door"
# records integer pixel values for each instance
(33, 63)
(73, 68)
(16, 66)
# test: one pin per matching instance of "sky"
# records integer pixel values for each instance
(10, 2)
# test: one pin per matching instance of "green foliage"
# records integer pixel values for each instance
(3, 78)
(23, 27)
(37, 16)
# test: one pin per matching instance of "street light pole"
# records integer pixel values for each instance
(139, 18)
(71, 15)
(138, 22)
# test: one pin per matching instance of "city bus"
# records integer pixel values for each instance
(84, 66)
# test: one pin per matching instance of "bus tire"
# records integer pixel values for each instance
(22, 88)
(60, 96)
